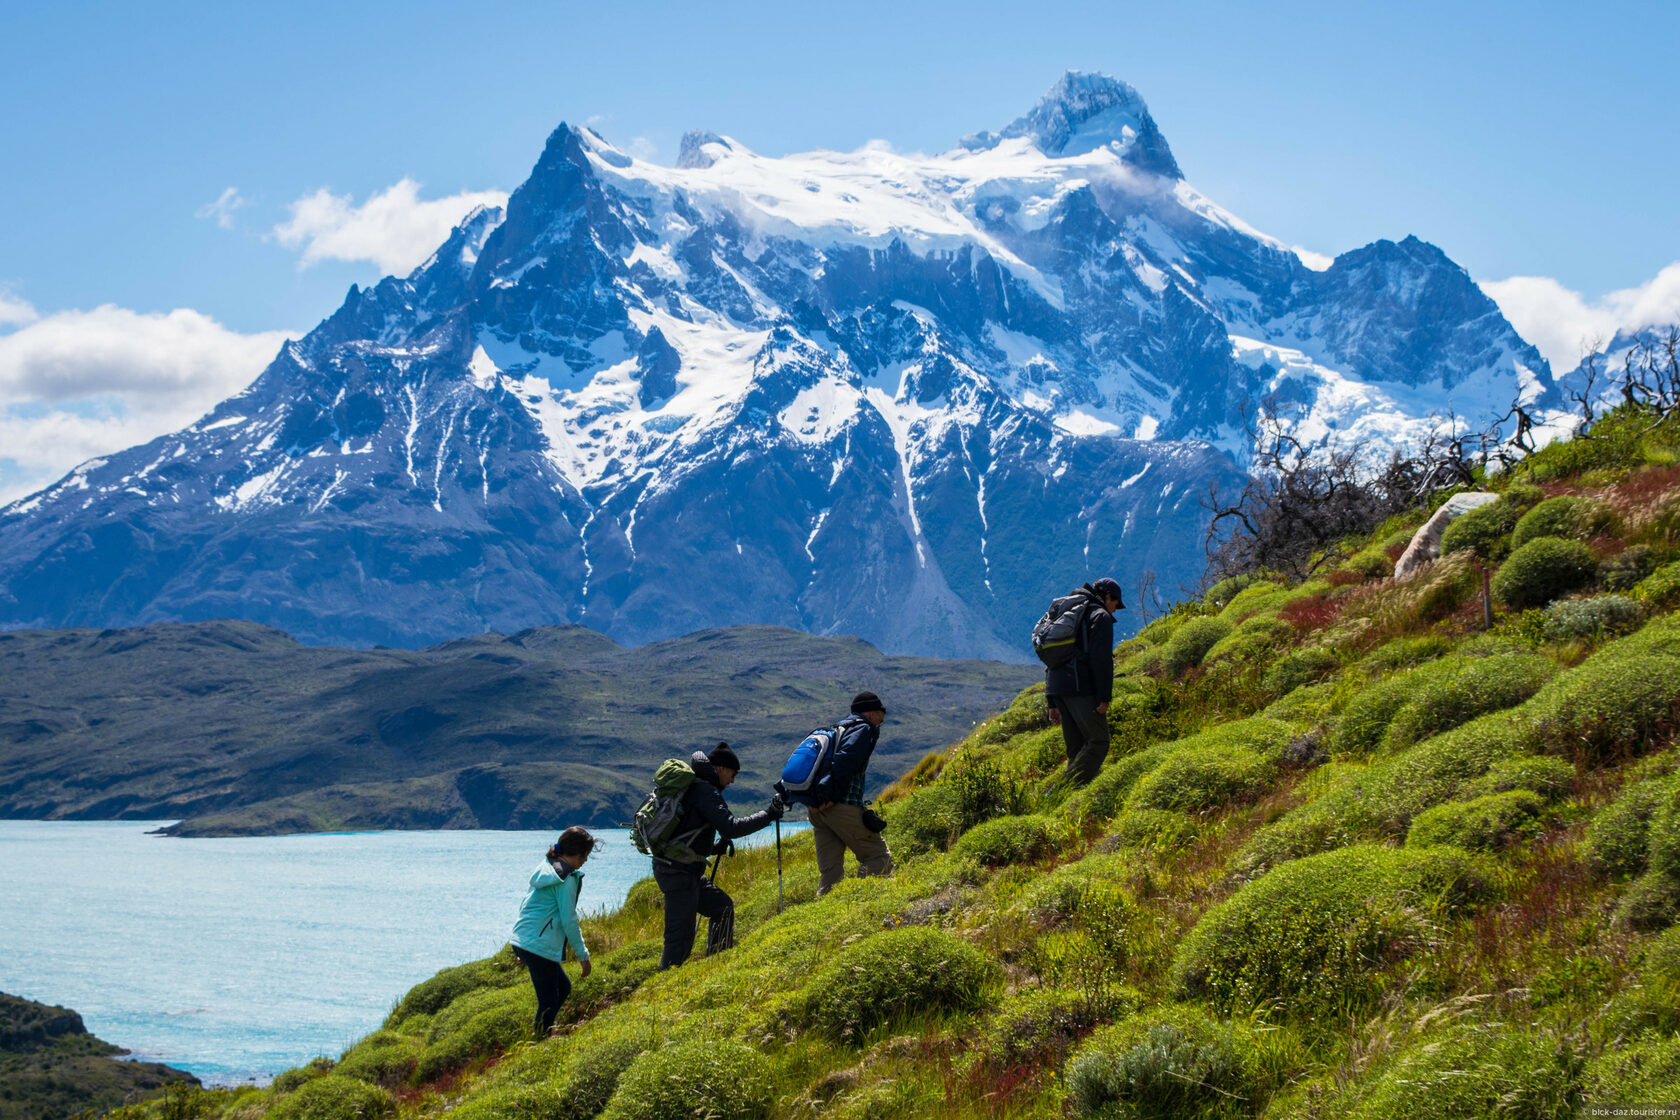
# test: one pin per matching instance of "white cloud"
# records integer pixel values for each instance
(77, 384)
(1564, 326)
(1318, 262)
(222, 209)
(394, 228)
(15, 312)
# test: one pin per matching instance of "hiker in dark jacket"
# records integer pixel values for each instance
(1078, 691)
(688, 892)
(838, 818)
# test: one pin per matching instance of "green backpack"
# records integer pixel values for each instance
(654, 828)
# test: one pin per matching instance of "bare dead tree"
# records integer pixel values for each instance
(1300, 499)
(1149, 595)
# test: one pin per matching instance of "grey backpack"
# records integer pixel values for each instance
(1059, 635)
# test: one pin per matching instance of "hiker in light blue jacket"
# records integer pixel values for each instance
(548, 922)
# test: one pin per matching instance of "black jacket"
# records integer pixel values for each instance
(1091, 672)
(850, 758)
(707, 816)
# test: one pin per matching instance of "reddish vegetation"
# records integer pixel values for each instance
(1307, 615)
(1344, 578)
(1643, 486)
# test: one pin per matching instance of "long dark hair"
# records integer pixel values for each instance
(575, 841)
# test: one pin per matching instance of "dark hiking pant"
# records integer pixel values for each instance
(549, 979)
(689, 894)
(1085, 731)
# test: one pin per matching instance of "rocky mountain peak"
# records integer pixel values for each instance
(1084, 112)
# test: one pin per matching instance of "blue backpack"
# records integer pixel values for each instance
(808, 763)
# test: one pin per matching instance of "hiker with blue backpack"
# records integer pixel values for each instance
(548, 922)
(827, 774)
(682, 822)
(1075, 640)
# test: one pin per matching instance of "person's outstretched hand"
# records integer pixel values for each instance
(775, 809)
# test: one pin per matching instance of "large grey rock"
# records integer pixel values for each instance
(1426, 542)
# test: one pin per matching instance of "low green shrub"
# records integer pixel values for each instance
(1251, 641)
(430, 996)
(1522, 496)
(1651, 902)
(1317, 933)
(292, 1078)
(1040, 1027)
(1544, 569)
(385, 1057)
(1474, 1071)
(1300, 667)
(1028, 712)
(1363, 723)
(1483, 824)
(1373, 563)
(1622, 699)
(1161, 829)
(1261, 595)
(717, 1079)
(1662, 958)
(1406, 653)
(1202, 777)
(1102, 798)
(1159, 631)
(895, 974)
(927, 819)
(1652, 1003)
(1171, 1061)
(593, 1075)
(1457, 690)
(1551, 518)
(1482, 532)
(1551, 778)
(1005, 840)
(1660, 589)
(1625, 570)
(476, 1025)
(1191, 642)
(1226, 589)
(1379, 802)
(1601, 616)
(332, 1098)
(612, 978)
(971, 789)
(1645, 1070)
(1060, 896)
(1619, 837)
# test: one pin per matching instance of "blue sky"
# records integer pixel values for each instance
(1528, 140)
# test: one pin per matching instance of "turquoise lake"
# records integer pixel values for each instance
(238, 958)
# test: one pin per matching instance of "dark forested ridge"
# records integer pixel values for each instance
(52, 1068)
(238, 728)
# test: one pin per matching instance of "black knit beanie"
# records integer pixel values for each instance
(867, 702)
(721, 755)
(1109, 589)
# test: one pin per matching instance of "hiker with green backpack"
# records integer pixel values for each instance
(682, 822)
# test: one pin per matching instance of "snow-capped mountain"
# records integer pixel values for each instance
(904, 396)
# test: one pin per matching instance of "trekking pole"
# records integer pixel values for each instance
(778, 866)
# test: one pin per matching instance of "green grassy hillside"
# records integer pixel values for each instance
(1350, 857)
(240, 729)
